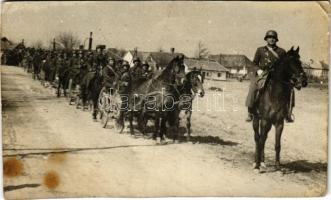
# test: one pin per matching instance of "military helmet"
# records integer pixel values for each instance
(125, 63)
(271, 33)
(145, 63)
(111, 59)
(136, 59)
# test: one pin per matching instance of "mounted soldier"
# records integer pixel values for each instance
(136, 71)
(264, 59)
(108, 75)
(124, 90)
(146, 72)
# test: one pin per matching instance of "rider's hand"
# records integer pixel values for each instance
(259, 72)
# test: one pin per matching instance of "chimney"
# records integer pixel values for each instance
(90, 41)
(172, 50)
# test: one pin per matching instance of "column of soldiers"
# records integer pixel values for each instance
(50, 67)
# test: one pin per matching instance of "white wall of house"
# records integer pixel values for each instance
(128, 57)
(243, 71)
(215, 75)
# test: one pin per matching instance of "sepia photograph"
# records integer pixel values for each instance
(164, 99)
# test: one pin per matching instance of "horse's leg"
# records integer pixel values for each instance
(265, 127)
(173, 119)
(188, 123)
(157, 127)
(95, 108)
(279, 129)
(59, 89)
(163, 129)
(256, 126)
(131, 122)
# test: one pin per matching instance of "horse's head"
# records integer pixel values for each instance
(176, 69)
(194, 82)
(294, 70)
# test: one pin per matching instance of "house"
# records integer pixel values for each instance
(325, 70)
(211, 70)
(134, 53)
(115, 53)
(238, 65)
(6, 44)
(156, 60)
(160, 60)
(318, 70)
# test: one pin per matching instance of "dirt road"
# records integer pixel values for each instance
(98, 162)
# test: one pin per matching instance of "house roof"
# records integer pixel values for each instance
(232, 60)
(205, 64)
(163, 58)
(113, 53)
(141, 55)
(324, 65)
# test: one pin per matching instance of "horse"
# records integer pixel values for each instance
(271, 106)
(162, 88)
(192, 85)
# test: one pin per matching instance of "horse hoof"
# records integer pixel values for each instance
(255, 166)
(256, 171)
(163, 142)
(263, 168)
(263, 164)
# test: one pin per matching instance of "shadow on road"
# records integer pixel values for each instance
(305, 166)
(213, 140)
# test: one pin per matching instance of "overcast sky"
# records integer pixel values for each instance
(224, 27)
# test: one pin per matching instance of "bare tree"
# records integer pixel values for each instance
(67, 40)
(202, 51)
(38, 44)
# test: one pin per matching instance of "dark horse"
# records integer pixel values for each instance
(162, 88)
(184, 95)
(91, 87)
(271, 107)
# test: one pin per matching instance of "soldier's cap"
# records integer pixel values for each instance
(271, 34)
(145, 64)
(136, 59)
(111, 58)
(125, 63)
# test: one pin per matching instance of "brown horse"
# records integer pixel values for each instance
(162, 88)
(272, 104)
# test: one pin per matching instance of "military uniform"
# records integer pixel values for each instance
(264, 59)
(108, 76)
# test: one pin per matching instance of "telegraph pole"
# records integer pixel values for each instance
(90, 41)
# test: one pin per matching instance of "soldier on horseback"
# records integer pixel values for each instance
(146, 72)
(108, 75)
(136, 71)
(124, 89)
(264, 59)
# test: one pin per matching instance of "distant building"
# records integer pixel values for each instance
(132, 54)
(211, 70)
(115, 53)
(6, 44)
(156, 60)
(316, 69)
(325, 70)
(238, 65)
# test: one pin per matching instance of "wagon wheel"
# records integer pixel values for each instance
(115, 108)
